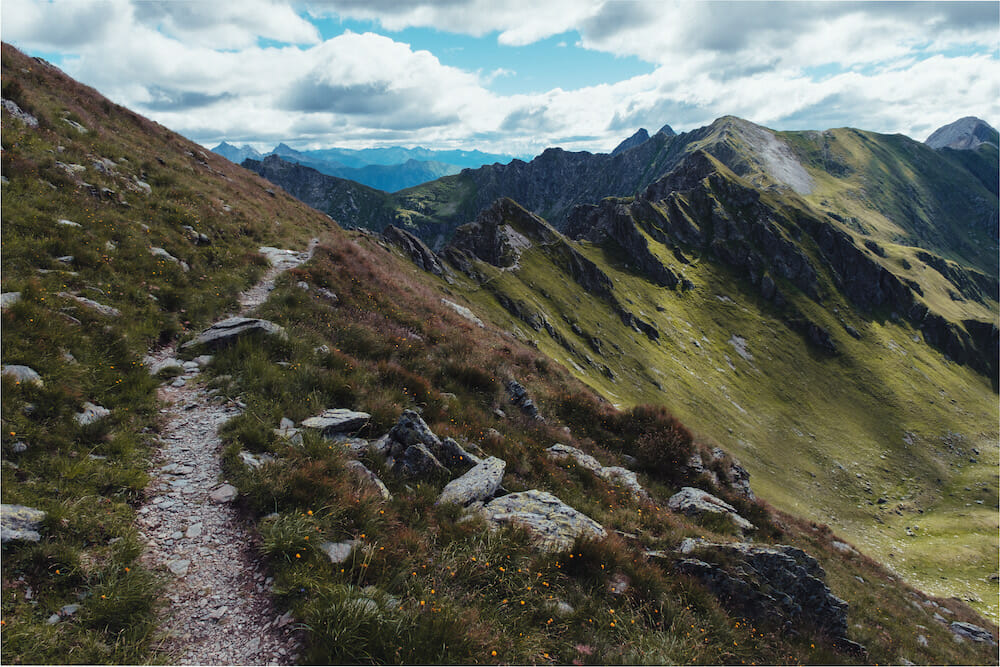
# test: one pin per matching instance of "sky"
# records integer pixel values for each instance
(517, 76)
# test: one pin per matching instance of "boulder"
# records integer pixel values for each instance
(775, 586)
(166, 364)
(559, 452)
(367, 477)
(226, 332)
(973, 632)
(224, 494)
(454, 456)
(337, 420)
(695, 502)
(479, 484)
(354, 447)
(417, 462)
(554, 524)
(22, 374)
(91, 413)
(19, 523)
(626, 479)
(338, 552)
(411, 429)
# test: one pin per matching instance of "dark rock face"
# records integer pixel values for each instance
(519, 397)
(775, 586)
(415, 249)
(502, 232)
(640, 137)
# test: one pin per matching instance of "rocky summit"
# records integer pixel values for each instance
(720, 396)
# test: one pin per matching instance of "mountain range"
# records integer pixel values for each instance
(721, 396)
(389, 169)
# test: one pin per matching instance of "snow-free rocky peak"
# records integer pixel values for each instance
(964, 134)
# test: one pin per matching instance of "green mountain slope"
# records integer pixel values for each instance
(424, 583)
(843, 414)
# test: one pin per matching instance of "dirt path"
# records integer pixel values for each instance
(219, 610)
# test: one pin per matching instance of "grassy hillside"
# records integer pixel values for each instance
(884, 439)
(129, 185)
(423, 585)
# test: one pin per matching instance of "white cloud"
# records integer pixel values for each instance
(199, 68)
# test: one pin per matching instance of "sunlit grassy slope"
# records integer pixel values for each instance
(887, 435)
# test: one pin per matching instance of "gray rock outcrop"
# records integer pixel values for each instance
(553, 524)
(228, 331)
(695, 502)
(519, 397)
(479, 484)
(775, 586)
(415, 249)
(615, 475)
(973, 632)
(337, 420)
(19, 523)
(418, 462)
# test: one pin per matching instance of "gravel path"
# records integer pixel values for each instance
(219, 610)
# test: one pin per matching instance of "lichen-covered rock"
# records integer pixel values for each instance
(22, 374)
(91, 413)
(337, 420)
(226, 332)
(479, 484)
(554, 524)
(19, 523)
(624, 478)
(255, 461)
(695, 502)
(560, 452)
(464, 312)
(8, 299)
(411, 429)
(367, 477)
(775, 586)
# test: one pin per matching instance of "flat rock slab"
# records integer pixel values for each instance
(19, 523)
(464, 312)
(90, 303)
(695, 502)
(337, 420)
(479, 484)
(22, 374)
(8, 299)
(554, 524)
(229, 330)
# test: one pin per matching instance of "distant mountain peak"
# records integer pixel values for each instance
(964, 134)
(236, 154)
(667, 130)
(640, 137)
